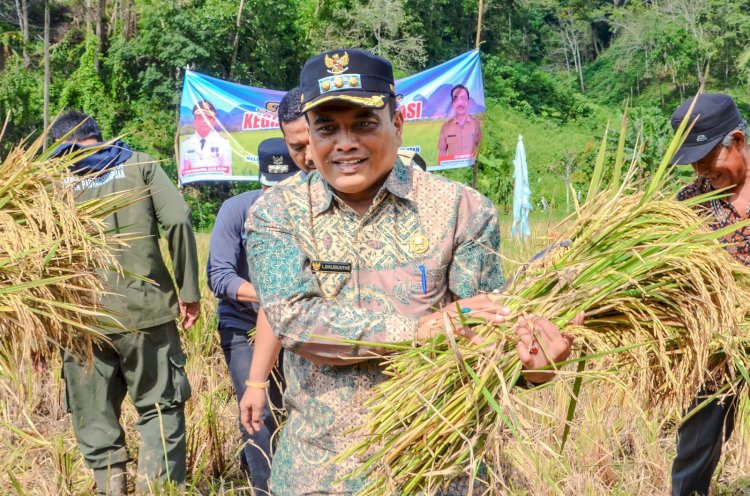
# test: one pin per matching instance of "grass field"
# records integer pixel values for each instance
(614, 448)
(424, 134)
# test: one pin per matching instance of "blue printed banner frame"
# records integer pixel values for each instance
(220, 141)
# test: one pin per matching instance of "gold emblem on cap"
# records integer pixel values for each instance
(326, 85)
(419, 244)
(353, 82)
(336, 64)
(302, 97)
(338, 82)
(393, 89)
(316, 266)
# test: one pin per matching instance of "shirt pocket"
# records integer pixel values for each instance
(422, 285)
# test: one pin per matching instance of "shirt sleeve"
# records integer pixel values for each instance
(442, 143)
(173, 216)
(291, 297)
(227, 153)
(476, 265)
(224, 252)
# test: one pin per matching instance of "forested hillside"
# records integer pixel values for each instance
(555, 70)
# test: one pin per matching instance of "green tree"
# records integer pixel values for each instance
(383, 27)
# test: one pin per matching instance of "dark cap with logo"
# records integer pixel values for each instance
(275, 162)
(204, 107)
(347, 75)
(717, 116)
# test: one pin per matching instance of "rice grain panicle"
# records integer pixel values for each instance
(53, 252)
(665, 305)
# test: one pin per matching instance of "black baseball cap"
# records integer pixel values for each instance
(275, 162)
(715, 116)
(347, 75)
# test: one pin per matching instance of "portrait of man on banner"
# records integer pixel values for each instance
(461, 135)
(206, 150)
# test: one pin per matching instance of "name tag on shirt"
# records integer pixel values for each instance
(339, 267)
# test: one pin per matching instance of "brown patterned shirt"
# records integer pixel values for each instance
(373, 291)
(456, 139)
(724, 214)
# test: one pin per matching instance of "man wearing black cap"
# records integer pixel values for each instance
(717, 149)
(364, 249)
(205, 151)
(229, 279)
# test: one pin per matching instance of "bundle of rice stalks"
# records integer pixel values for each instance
(664, 302)
(52, 253)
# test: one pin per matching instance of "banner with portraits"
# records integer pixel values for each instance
(222, 123)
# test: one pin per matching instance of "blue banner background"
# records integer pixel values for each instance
(246, 115)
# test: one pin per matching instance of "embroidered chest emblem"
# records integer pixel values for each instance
(419, 244)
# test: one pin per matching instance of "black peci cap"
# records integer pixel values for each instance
(275, 162)
(350, 75)
(715, 116)
(204, 107)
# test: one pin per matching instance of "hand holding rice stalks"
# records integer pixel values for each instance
(664, 302)
(52, 253)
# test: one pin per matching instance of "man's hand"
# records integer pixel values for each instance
(189, 313)
(252, 404)
(541, 343)
(479, 306)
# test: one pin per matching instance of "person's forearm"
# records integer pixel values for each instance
(246, 293)
(321, 331)
(266, 350)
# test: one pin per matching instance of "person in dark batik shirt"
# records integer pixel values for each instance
(365, 248)
(717, 149)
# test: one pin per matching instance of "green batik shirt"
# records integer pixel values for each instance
(321, 269)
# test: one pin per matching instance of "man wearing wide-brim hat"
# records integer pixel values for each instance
(716, 147)
(364, 249)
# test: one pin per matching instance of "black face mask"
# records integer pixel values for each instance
(104, 158)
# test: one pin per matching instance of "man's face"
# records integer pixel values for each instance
(297, 140)
(723, 167)
(203, 124)
(354, 148)
(460, 102)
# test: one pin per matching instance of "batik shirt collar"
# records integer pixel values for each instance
(399, 183)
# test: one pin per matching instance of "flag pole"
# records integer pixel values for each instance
(478, 42)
